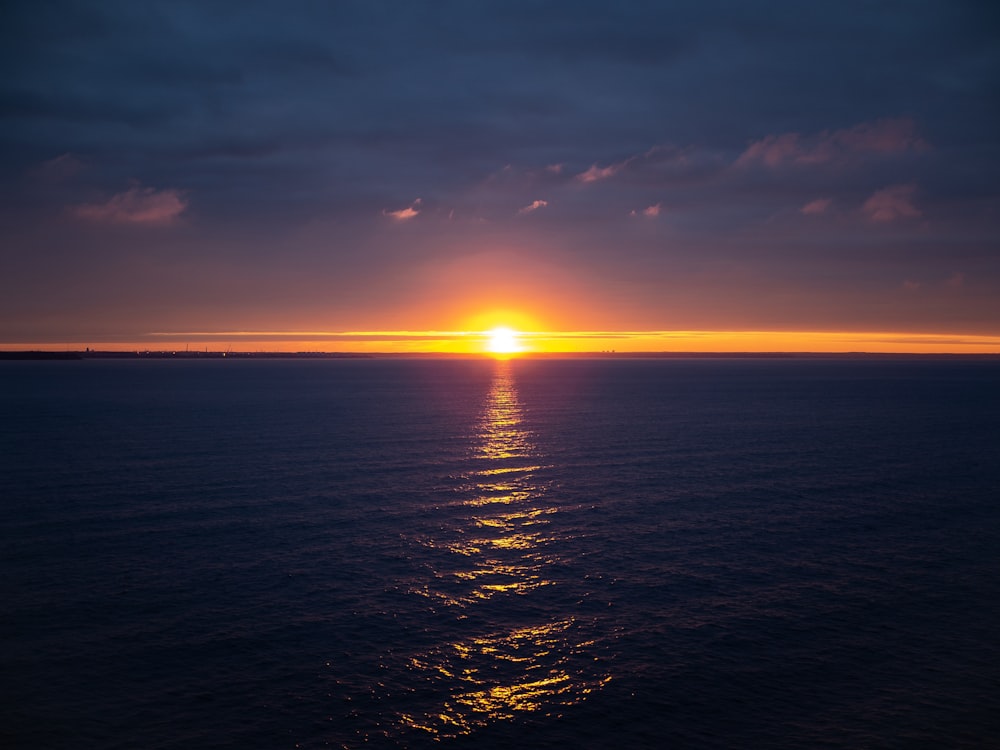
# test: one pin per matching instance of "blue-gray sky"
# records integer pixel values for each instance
(337, 166)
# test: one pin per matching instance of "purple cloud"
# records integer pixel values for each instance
(137, 205)
(891, 203)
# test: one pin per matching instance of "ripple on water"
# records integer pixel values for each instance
(501, 540)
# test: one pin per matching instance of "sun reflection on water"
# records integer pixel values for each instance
(498, 551)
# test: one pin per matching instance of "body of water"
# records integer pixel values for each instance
(491, 554)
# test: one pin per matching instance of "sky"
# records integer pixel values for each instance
(379, 175)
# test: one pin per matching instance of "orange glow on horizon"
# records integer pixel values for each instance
(526, 341)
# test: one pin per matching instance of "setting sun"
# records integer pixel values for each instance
(502, 341)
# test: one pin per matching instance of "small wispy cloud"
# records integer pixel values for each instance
(891, 203)
(137, 205)
(772, 150)
(650, 212)
(532, 207)
(660, 165)
(58, 169)
(404, 214)
(596, 173)
(818, 206)
(887, 136)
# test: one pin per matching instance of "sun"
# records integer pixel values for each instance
(502, 341)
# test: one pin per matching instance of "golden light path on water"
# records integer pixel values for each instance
(502, 548)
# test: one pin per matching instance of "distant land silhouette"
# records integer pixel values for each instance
(93, 354)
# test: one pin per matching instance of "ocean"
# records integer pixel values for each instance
(589, 553)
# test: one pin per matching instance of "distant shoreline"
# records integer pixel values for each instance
(39, 355)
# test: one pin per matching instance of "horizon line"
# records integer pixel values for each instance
(603, 354)
(531, 342)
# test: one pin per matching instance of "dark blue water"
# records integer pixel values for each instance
(390, 553)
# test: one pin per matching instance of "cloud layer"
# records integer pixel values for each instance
(633, 165)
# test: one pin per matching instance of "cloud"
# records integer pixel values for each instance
(654, 155)
(772, 150)
(533, 206)
(596, 173)
(137, 205)
(887, 136)
(404, 214)
(649, 211)
(59, 169)
(818, 206)
(891, 203)
(660, 166)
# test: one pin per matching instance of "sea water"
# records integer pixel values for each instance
(723, 553)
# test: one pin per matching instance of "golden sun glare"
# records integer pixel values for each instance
(502, 341)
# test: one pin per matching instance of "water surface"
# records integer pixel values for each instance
(591, 553)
